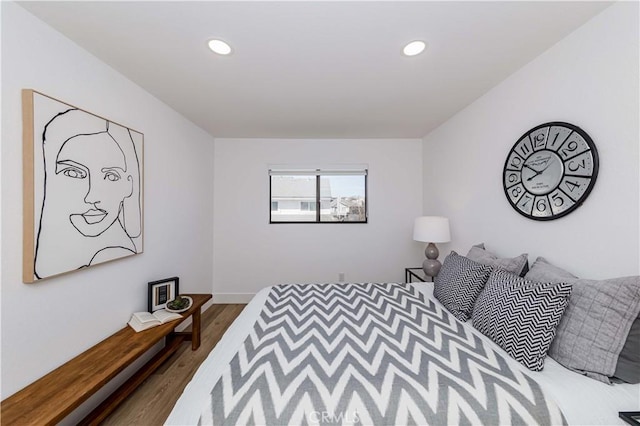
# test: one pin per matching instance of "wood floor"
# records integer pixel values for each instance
(152, 402)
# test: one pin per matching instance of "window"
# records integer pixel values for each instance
(318, 196)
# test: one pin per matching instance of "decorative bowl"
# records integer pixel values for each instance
(178, 310)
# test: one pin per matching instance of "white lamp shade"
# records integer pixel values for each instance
(431, 229)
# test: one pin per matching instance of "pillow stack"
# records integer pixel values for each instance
(599, 334)
(589, 326)
(521, 316)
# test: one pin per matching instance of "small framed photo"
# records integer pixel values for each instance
(162, 291)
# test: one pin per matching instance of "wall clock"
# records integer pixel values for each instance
(550, 171)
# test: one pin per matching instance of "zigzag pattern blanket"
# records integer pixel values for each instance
(377, 354)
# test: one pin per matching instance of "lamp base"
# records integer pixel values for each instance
(431, 266)
(431, 252)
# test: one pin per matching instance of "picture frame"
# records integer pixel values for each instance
(162, 291)
(631, 417)
(83, 189)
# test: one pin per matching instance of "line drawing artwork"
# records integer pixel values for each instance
(87, 188)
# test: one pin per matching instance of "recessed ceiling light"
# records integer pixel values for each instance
(219, 47)
(414, 48)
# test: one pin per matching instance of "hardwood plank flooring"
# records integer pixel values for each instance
(152, 402)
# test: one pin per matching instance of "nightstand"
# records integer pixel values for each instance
(631, 417)
(412, 275)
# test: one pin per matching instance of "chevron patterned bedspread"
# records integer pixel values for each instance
(379, 354)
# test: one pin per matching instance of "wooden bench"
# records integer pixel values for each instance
(54, 396)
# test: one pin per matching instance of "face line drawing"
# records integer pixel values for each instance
(106, 248)
(110, 172)
(44, 196)
(100, 181)
(139, 194)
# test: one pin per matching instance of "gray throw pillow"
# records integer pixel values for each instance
(543, 271)
(518, 265)
(520, 315)
(628, 367)
(596, 325)
(459, 283)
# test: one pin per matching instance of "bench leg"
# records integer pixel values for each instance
(194, 334)
(195, 330)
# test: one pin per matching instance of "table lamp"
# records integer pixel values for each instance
(431, 229)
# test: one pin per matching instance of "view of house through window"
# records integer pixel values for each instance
(318, 196)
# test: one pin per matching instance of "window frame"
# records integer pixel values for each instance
(318, 173)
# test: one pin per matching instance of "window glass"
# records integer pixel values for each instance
(291, 193)
(295, 197)
(345, 197)
(308, 206)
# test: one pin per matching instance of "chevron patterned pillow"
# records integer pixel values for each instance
(521, 316)
(459, 283)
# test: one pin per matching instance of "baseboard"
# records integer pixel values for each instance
(231, 298)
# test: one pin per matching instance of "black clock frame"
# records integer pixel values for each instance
(594, 174)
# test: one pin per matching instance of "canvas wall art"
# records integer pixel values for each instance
(83, 188)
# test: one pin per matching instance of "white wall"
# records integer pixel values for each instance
(250, 253)
(589, 79)
(47, 323)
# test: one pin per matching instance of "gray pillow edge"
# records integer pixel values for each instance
(607, 371)
(628, 365)
(486, 260)
(543, 270)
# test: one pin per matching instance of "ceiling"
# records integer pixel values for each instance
(323, 69)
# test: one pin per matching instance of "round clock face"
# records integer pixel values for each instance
(550, 171)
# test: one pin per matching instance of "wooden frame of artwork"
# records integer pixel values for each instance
(83, 186)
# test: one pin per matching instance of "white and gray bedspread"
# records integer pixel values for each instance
(378, 354)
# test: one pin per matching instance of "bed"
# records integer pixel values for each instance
(402, 358)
